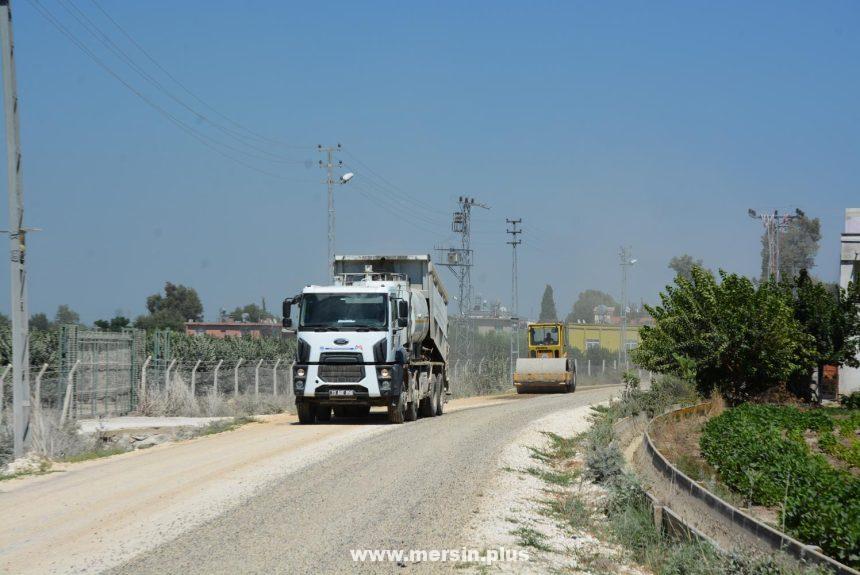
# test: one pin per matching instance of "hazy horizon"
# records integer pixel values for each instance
(651, 126)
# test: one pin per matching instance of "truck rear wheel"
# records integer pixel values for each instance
(427, 406)
(306, 413)
(440, 395)
(397, 411)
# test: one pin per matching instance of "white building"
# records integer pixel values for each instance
(849, 271)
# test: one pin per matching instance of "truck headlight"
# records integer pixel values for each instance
(299, 384)
(384, 373)
(300, 372)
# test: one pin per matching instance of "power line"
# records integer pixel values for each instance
(108, 43)
(188, 91)
(190, 130)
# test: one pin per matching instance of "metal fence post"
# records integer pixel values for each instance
(143, 376)
(194, 378)
(257, 378)
(167, 372)
(604, 367)
(275, 377)
(2, 383)
(236, 376)
(37, 392)
(67, 401)
(217, 368)
(589, 368)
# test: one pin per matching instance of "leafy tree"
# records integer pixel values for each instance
(4, 320)
(683, 265)
(178, 305)
(798, 246)
(583, 308)
(547, 306)
(728, 335)
(830, 317)
(255, 313)
(40, 322)
(66, 315)
(115, 324)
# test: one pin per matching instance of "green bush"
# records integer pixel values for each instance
(760, 451)
(850, 401)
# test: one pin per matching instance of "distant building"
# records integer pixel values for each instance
(222, 329)
(849, 377)
(585, 336)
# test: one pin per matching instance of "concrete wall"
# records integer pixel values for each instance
(849, 270)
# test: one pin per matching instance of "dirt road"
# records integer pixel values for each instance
(273, 497)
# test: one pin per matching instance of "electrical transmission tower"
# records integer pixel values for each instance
(774, 226)
(515, 295)
(460, 261)
(17, 239)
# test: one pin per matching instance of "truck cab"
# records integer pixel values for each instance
(364, 341)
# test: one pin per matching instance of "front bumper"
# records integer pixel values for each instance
(371, 389)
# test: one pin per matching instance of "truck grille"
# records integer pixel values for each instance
(341, 367)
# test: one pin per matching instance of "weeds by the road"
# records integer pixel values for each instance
(176, 399)
(225, 425)
(608, 503)
(528, 537)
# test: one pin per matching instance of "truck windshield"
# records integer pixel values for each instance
(345, 311)
(543, 335)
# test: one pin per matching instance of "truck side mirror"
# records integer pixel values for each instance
(402, 322)
(402, 309)
(285, 311)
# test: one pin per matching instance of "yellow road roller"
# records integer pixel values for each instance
(547, 368)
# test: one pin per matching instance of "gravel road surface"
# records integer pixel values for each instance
(413, 487)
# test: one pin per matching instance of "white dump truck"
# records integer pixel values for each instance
(378, 336)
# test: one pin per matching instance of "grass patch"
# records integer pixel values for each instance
(94, 454)
(225, 425)
(43, 469)
(554, 477)
(528, 537)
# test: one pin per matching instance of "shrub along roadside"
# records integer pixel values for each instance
(760, 451)
(628, 515)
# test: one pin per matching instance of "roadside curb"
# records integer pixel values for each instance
(765, 534)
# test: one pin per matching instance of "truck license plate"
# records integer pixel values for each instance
(342, 393)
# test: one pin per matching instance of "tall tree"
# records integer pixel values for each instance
(583, 308)
(116, 323)
(798, 246)
(829, 316)
(729, 335)
(547, 306)
(683, 265)
(171, 310)
(40, 321)
(65, 314)
(253, 312)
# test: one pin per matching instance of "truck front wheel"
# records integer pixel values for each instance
(397, 411)
(307, 413)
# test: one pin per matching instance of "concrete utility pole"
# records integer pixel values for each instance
(329, 165)
(515, 295)
(17, 239)
(626, 262)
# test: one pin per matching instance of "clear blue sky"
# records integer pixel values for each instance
(651, 124)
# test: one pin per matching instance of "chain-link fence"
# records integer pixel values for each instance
(105, 388)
